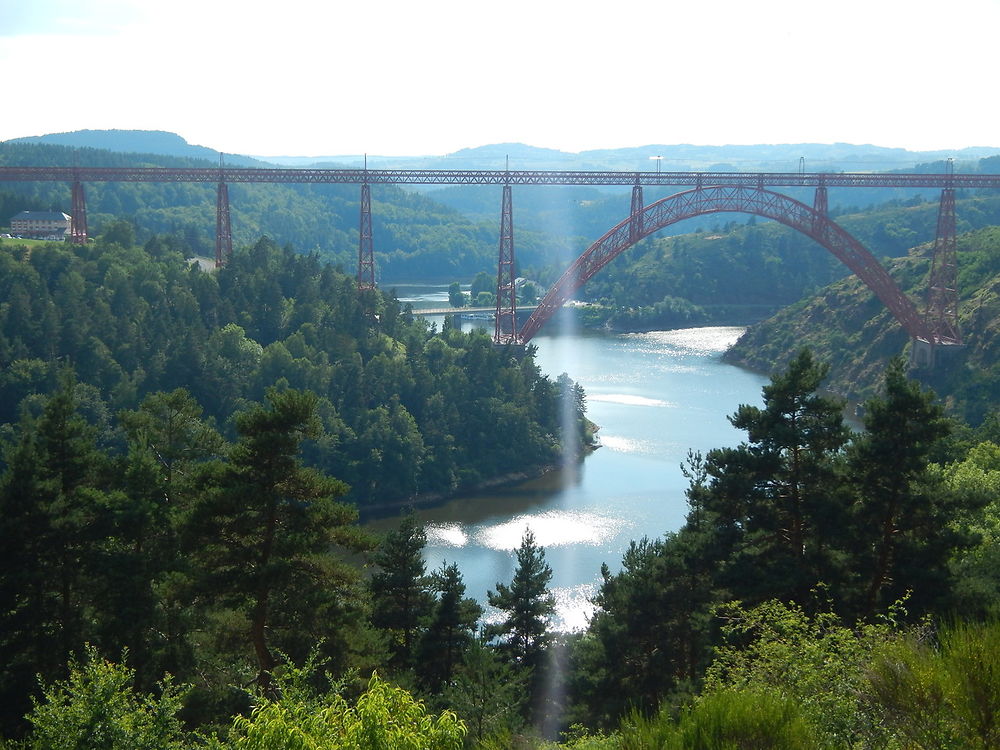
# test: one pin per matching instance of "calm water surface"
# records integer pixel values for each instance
(655, 396)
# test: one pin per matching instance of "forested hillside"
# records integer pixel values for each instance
(823, 585)
(404, 411)
(848, 327)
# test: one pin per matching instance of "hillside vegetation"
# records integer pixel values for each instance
(847, 326)
(405, 410)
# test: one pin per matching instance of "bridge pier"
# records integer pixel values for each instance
(506, 316)
(78, 220)
(821, 206)
(942, 285)
(944, 340)
(366, 254)
(223, 227)
(635, 228)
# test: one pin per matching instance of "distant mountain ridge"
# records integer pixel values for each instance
(158, 142)
(812, 157)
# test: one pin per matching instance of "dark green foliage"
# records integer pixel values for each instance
(649, 634)
(450, 629)
(215, 562)
(781, 488)
(456, 297)
(55, 509)
(134, 322)
(901, 516)
(527, 605)
(801, 512)
(401, 599)
(263, 528)
(483, 282)
(488, 693)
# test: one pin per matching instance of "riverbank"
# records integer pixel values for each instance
(429, 500)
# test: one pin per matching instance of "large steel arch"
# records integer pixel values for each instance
(739, 199)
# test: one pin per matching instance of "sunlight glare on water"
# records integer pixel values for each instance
(627, 445)
(702, 341)
(554, 528)
(627, 399)
(446, 535)
(574, 607)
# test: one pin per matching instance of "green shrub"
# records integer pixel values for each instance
(385, 717)
(95, 708)
(743, 720)
(945, 697)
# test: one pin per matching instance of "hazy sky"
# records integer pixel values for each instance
(398, 77)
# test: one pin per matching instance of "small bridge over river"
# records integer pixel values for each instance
(699, 193)
(477, 311)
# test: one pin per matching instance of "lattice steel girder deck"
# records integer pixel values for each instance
(494, 177)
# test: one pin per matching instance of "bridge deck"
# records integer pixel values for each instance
(494, 177)
(455, 310)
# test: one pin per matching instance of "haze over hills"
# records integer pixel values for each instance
(813, 157)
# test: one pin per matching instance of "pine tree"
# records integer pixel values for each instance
(450, 629)
(527, 604)
(488, 693)
(901, 524)
(265, 526)
(52, 523)
(401, 599)
(778, 501)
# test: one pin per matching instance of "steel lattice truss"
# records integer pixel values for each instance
(223, 227)
(739, 199)
(506, 314)
(366, 255)
(942, 289)
(493, 177)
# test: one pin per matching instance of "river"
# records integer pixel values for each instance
(655, 396)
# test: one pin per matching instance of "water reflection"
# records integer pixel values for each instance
(627, 445)
(446, 535)
(627, 399)
(554, 528)
(700, 341)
